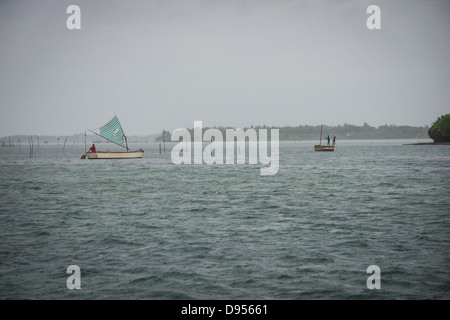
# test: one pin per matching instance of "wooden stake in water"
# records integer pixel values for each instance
(164, 142)
(30, 143)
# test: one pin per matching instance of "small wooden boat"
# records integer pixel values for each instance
(115, 155)
(113, 132)
(321, 147)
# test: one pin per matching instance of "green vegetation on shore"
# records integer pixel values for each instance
(440, 129)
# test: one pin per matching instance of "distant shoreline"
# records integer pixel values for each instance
(286, 133)
(447, 143)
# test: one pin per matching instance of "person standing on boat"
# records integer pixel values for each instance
(334, 141)
(328, 138)
(92, 149)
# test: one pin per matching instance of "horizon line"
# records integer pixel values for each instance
(365, 124)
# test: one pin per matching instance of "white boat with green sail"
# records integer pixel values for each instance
(113, 132)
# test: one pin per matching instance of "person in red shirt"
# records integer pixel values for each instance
(92, 149)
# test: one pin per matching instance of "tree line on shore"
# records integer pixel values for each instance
(342, 132)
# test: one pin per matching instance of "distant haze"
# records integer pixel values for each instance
(163, 64)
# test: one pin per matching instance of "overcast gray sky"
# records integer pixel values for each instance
(163, 64)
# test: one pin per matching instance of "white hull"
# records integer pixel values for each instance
(114, 155)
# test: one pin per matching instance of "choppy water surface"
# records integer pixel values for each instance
(149, 229)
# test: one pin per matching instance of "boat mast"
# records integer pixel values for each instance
(124, 136)
(321, 135)
(126, 142)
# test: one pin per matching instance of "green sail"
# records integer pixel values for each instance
(113, 132)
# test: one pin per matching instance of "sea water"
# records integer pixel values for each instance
(150, 229)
